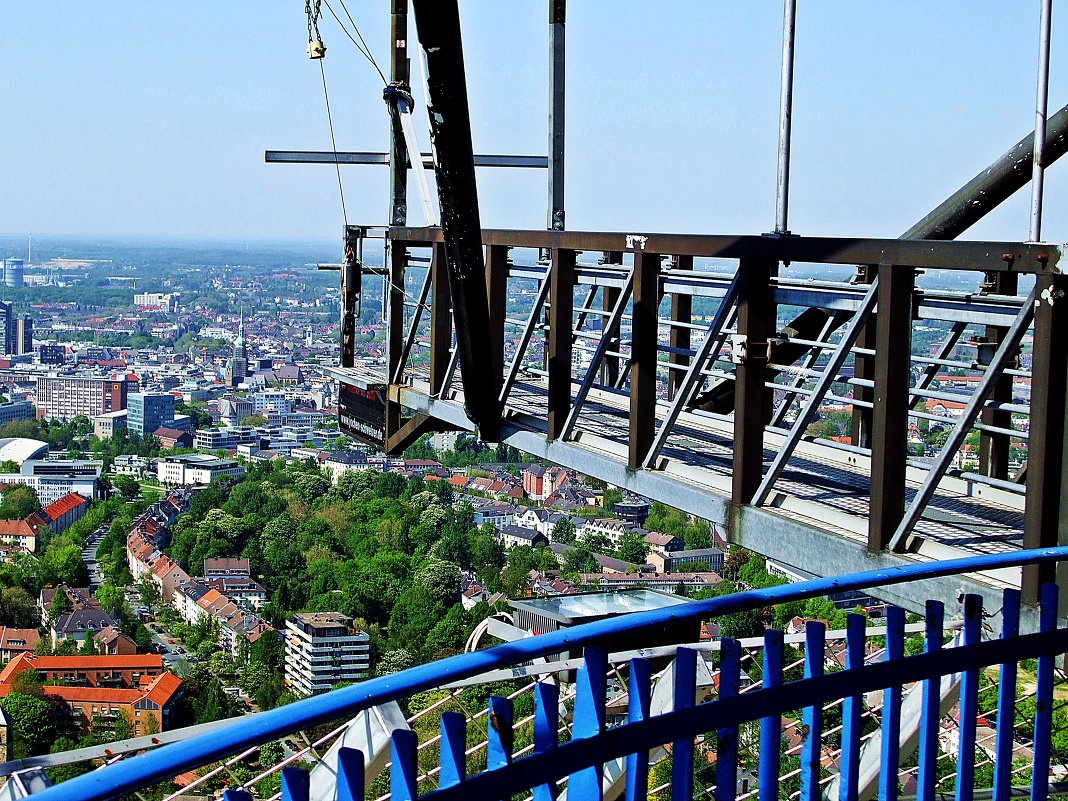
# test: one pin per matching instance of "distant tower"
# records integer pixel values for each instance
(308, 338)
(29, 251)
(13, 275)
(237, 369)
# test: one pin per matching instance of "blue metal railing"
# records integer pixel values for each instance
(582, 759)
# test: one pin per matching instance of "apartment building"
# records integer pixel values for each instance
(322, 649)
(63, 397)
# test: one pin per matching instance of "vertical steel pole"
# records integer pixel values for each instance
(890, 419)
(1045, 522)
(497, 295)
(1041, 103)
(786, 101)
(609, 298)
(864, 369)
(561, 329)
(398, 153)
(994, 449)
(752, 405)
(556, 115)
(643, 352)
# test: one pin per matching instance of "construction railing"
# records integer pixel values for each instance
(846, 721)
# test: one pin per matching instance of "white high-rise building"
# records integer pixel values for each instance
(323, 649)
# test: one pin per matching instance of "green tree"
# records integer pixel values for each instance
(579, 560)
(112, 598)
(632, 548)
(33, 723)
(441, 580)
(18, 609)
(255, 420)
(61, 605)
(127, 487)
(738, 625)
(564, 531)
(19, 501)
(270, 753)
(394, 662)
(28, 682)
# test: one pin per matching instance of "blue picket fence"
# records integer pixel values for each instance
(581, 760)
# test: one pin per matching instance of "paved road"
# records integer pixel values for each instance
(171, 658)
(96, 578)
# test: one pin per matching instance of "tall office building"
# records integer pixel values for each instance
(64, 398)
(13, 272)
(147, 411)
(23, 335)
(7, 329)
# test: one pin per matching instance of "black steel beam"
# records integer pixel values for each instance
(398, 261)
(932, 255)
(438, 25)
(752, 404)
(1046, 509)
(889, 427)
(981, 195)
(561, 330)
(643, 353)
(351, 284)
(374, 158)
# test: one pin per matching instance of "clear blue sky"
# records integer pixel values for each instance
(151, 118)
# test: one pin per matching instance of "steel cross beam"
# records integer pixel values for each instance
(827, 378)
(598, 355)
(923, 495)
(694, 371)
(370, 157)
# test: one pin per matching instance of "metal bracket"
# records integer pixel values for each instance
(744, 351)
(739, 348)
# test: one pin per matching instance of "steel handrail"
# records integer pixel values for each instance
(146, 769)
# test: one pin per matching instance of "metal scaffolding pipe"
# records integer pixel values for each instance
(1041, 105)
(786, 103)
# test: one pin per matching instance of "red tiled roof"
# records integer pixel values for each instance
(56, 509)
(163, 688)
(169, 433)
(99, 662)
(22, 528)
(30, 636)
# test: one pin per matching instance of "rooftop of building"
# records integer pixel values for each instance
(21, 449)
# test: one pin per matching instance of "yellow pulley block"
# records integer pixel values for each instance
(316, 50)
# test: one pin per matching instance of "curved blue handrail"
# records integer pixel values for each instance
(170, 760)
